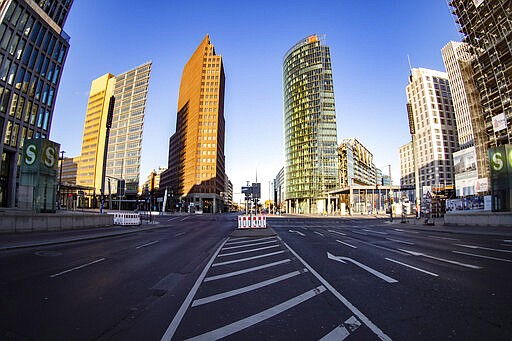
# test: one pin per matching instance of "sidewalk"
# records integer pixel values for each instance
(418, 224)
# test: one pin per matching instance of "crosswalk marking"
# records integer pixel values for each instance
(236, 273)
(245, 289)
(247, 322)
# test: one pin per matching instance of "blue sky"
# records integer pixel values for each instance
(369, 42)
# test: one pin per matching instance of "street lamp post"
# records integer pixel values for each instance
(60, 178)
(390, 194)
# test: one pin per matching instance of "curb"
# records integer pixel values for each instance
(22, 245)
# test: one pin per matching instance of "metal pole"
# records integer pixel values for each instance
(390, 194)
(60, 178)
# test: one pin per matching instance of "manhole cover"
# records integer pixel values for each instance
(48, 253)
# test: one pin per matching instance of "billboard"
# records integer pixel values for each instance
(466, 175)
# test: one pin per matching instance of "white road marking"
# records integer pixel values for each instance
(481, 256)
(245, 240)
(147, 244)
(379, 232)
(483, 248)
(342, 331)
(444, 238)
(318, 233)
(507, 240)
(185, 218)
(376, 330)
(180, 234)
(365, 234)
(340, 233)
(259, 317)
(77, 267)
(300, 233)
(248, 258)
(245, 251)
(442, 259)
(169, 332)
(248, 288)
(246, 245)
(383, 248)
(412, 267)
(362, 266)
(347, 244)
(400, 241)
(239, 272)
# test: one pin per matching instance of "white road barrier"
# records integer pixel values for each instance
(125, 218)
(252, 221)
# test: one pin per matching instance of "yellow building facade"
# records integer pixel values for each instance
(93, 141)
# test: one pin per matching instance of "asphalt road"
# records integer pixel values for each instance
(329, 279)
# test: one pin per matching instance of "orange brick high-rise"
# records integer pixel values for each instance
(195, 178)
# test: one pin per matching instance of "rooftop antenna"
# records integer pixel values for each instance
(409, 60)
(256, 175)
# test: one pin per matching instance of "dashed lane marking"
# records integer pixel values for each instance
(412, 267)
(347, 244)
(77, 267)
(147, 244)
(481, 256)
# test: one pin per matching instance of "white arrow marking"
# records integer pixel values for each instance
(367, 268)
(293, 231)
(441, 259)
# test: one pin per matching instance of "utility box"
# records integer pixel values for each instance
(38, 175)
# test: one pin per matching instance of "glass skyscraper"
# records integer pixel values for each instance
(129, 91)
(33, 49)
(311, 155)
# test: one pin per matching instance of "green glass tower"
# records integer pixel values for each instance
(311, 168)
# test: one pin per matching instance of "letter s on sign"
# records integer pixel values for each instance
(49, 157)
(497, 160)
(30, 154)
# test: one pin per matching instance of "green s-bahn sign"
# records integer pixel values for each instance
(500, 164)
(38, 175)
